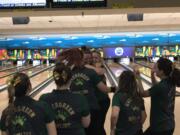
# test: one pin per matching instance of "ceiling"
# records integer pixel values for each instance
(90, 22)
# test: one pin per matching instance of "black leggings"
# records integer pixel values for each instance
(93, 127)
(98, 117)
(151, 132)
(140, 132)
(104, 106)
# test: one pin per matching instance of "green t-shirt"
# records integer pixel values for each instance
(29, 117)
(84, 81)
(162, 106)
(129, 120)
(69, 108)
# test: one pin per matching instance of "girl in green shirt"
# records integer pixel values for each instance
(71, 110)
(25, 116)
(162, 97)
(128, 111)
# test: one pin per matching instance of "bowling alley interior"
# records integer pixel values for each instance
(127, 34)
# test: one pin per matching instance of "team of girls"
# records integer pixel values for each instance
(162, 119)
(79, 104)
(86, 81)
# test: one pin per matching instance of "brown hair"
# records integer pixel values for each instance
(169, 70)
(128, 84)
(18, 86)
(71, 57)
(61, 74)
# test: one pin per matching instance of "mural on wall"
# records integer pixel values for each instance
(91, 40)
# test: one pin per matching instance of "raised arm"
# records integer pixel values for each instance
(153, 78)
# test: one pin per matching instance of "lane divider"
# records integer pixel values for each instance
(4, 87)
(19, 71)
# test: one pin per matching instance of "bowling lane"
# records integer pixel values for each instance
(143, 69)
(147, 71)
(28, 72)
(151, 64)
(34, 81)
(7, 66)
(117, 70)
(13, 70)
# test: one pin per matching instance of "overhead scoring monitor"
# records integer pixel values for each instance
(22, 3)
(78, 3)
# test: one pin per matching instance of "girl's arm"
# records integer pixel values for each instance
(114, 118)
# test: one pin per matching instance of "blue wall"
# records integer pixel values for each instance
(92, 40)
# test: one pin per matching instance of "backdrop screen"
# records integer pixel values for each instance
(115, 52)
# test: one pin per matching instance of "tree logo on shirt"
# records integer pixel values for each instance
(78, 81)
(62, 115)
(133, 110)
(63, 112)
(19, 121)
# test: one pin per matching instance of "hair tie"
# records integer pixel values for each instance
(64, 75)
(9, 81)
(65, 62)
(16, 81)
(56, 75)
(72, 67)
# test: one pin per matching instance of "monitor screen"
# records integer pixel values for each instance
(22, 3)
(171, 59)
(117, 52)
(79, 3)
(36, 62)
(155, 59)
(20, 62)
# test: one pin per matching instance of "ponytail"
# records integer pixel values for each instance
(61, 74)
(175, 77)
(11, 95)
(18, 86)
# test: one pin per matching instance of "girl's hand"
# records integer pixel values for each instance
(136, 71)
(153, 70)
